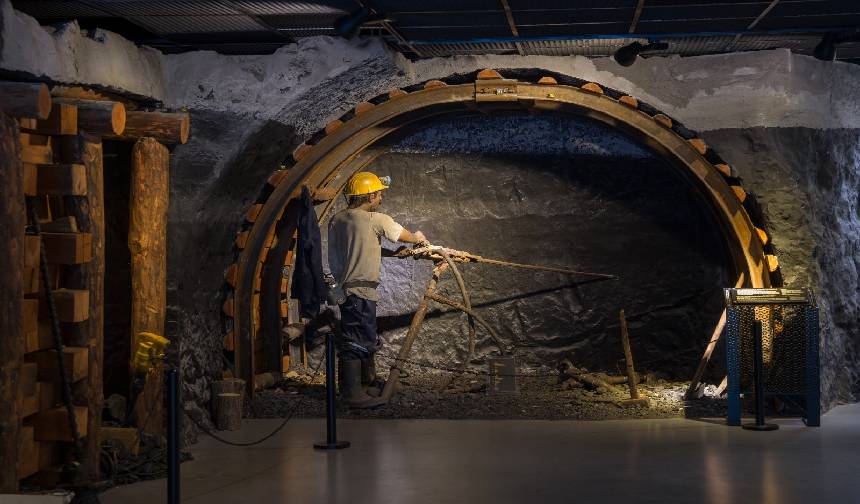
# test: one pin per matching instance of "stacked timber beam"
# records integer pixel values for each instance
(51, 152)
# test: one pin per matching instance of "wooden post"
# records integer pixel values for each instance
(634, 400)
(228, 411)
(165, 127)
(13, 215)
(147, 242)
(88, 215)
(25, 99)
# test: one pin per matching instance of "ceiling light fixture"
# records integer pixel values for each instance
(626, 56)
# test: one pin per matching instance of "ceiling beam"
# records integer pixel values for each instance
(390, 29)
(514, 31)
(636, 14)
(752, 25)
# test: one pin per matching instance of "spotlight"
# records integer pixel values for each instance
(626, 55)
(826, 49)
(348, 26)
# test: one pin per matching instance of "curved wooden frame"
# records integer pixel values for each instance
(317, 166)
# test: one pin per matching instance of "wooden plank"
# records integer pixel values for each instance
(31, 280)
(53, 424)
(42, 339)
(88, 213)
(49, 394)
(62, 179)
(73, 305)
(63, 120)
(31, 251)
(147, 235)
(28, 450)
(27, 123)
(12, 215)
(167, 128)
(75, 361)
(30, 319)
(68, 248)
(242, 239)
(30, 179)
(29, 398)
(37, 154)
(25, 99)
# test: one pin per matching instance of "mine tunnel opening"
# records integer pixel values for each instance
(558, 190)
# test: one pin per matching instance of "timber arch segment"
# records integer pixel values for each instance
(324, 163)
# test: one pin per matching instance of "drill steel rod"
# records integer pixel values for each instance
(434, 253)
(628, 357)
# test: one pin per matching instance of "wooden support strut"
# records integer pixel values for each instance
(88, 214)
(167, 128)
(25, 99)
(11, 328)
(147, 233)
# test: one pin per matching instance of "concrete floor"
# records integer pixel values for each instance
(499, 461)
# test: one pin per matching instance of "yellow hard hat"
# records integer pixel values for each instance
(365, 183)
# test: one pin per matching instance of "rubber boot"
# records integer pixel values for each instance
(371, 383)
(352, 394)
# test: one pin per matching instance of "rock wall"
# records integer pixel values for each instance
(560, 191)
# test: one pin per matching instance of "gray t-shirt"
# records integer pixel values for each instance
(354, 250)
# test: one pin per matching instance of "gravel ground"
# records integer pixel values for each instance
(423, 394)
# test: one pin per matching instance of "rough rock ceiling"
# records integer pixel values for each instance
(451, 27)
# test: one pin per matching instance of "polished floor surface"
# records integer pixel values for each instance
(501, 461)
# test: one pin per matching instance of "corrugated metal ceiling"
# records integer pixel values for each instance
(451, 27)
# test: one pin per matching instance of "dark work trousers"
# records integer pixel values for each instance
(358, 338)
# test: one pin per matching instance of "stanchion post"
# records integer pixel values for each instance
(172, 436)
(331, 442)
(758, 376)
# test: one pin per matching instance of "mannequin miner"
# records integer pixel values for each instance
(355, 255)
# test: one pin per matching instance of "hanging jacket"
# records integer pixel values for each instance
(308, 284)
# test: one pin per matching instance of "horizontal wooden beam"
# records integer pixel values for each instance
(68, 248)
(167, 128)
(37, 154)
(25, 99)
(63, 120)
(75, 362)
(62, 179)
(73, 305)
(53, 424)
(99, 117)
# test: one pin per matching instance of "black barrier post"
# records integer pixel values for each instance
(758, 376)
(172, 437)
(331, 442)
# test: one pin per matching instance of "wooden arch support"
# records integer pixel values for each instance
(317, 165)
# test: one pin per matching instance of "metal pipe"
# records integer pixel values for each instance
(172, 436)
(331, 442)
(758, 376)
